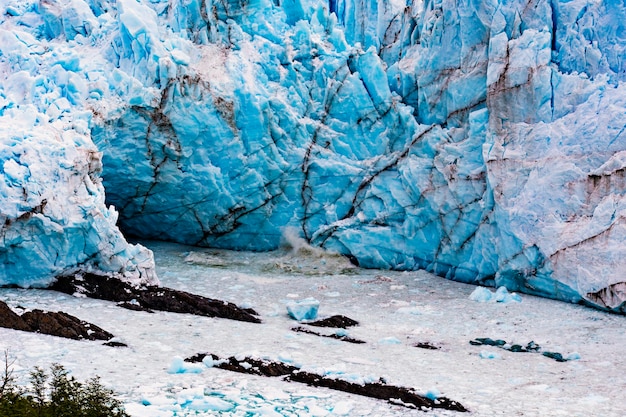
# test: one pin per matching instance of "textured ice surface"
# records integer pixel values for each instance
(305, 309)
(482, 141)
(52, 210)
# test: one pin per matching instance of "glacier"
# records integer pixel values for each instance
(481, 141)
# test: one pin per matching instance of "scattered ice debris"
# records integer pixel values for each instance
(530, 347)
(343, 408)
(179, 366)
(340, 381)
(416, 311)
(389, 341)
(501, 295)
(481, 295)
(208, 361)
(485, 354)
(196, 400)
(186, 401)
(305, 309)
(206, 259)
(206, 403)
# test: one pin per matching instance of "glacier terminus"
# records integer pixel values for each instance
(481, 141)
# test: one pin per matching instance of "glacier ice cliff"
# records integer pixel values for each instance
(52, 209)
(482, 141)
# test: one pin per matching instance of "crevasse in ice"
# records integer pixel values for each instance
(483, 141)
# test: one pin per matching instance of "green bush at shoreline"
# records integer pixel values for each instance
(56, 395)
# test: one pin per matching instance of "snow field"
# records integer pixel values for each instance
(405, 308)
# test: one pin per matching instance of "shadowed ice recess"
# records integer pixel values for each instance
(481, 141)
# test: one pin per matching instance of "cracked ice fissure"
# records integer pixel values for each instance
(482, 142)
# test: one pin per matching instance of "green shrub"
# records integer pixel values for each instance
(56, 395)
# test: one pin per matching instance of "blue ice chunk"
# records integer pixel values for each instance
(179, 366)
(501, 295)
(305, 309)
(53, 25)
(484, 354)
(389, 341)
(69, 61)
(433, 394)
(208, 403)
(481, 294)
(208, 361)
(77, 19)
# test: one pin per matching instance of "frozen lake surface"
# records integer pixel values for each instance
(396, 311)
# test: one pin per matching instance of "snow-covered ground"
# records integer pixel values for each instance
(396, 310)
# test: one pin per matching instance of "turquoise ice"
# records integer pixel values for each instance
(482, 141)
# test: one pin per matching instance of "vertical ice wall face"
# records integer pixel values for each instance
(542, 83)
(482, 141)
(256, 122)
(52, 209)
(53, 217)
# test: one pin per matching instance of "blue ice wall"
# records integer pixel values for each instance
(482, 141)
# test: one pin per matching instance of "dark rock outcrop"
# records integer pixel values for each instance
(53, 323)
(339, 321)
(11, 320)
(63, 325)
(147, 298)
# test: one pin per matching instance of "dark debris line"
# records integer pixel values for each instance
(530, 347)
(343, 338)
(147, 298)
(379, 390)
